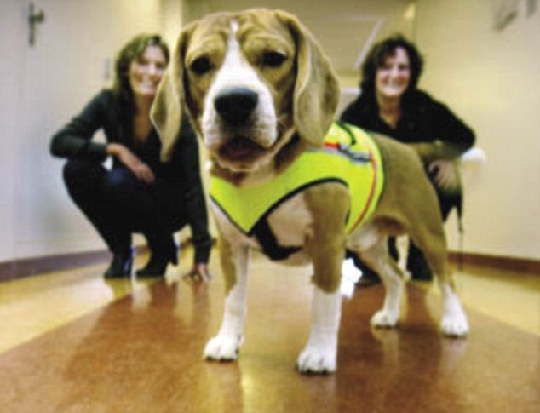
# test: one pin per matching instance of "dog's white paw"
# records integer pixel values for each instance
(223, 347)
(384, 319)
(454, 320)
(455, 325)
(314, 360)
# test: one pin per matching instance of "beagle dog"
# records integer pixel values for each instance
(262, 97)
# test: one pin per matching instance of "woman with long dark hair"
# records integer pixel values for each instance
(140, 193)
(391, 104)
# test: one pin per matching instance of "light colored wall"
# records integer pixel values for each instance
(342, 28)
(489, 78)
(492, 80)
(170, 20)
(42, 87)
(9, 102)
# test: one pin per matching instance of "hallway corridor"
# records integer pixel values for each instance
(72, 342)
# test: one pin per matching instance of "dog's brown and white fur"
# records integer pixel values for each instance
(249, 82)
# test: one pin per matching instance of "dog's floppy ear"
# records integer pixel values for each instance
(316, 90)
(168, 105)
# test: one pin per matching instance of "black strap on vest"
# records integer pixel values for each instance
(269, 244)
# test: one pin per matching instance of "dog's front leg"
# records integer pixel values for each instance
(326, 243)
(319, 355)
(234, 263)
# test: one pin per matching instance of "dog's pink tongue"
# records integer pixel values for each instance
(240, 148)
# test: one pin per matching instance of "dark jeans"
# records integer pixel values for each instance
(118, 204)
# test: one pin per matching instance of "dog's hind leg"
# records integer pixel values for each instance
(377, 258)
(432, 243)
(234, 263)
(454, 320)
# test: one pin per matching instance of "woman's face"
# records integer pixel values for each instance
(394, 75)
(146, 72)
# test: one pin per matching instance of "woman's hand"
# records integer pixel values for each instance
(445, 172)
(199, 272)
(134, 164)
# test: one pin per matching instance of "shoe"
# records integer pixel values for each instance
(121, 265)
(417, 265)
(425, 276)
(157, 264)
(368, 279)
(420, 272)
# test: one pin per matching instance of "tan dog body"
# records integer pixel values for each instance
(259, 92)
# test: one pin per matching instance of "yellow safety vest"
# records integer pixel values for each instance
(349, 156)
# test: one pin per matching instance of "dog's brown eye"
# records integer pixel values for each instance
(273, 59)
(201, 65)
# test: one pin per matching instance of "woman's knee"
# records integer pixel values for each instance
(119, 183)
(79, 173)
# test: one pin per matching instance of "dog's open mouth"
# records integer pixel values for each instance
(241, 149)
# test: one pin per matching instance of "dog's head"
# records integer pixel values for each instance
(249, 81)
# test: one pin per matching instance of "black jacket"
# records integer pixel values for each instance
(104, 112)
(423, 119)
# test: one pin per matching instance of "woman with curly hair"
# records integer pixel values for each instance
(140, 193)
(391, 104)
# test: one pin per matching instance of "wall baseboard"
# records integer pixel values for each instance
(11, 270)
(496, 261)
(26, 267)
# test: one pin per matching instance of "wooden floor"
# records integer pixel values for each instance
(72, 342)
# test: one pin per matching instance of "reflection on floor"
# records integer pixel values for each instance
(71, 342)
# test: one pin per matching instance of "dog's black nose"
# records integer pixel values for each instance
(236, 105)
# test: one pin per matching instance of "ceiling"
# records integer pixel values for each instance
(344, 28)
